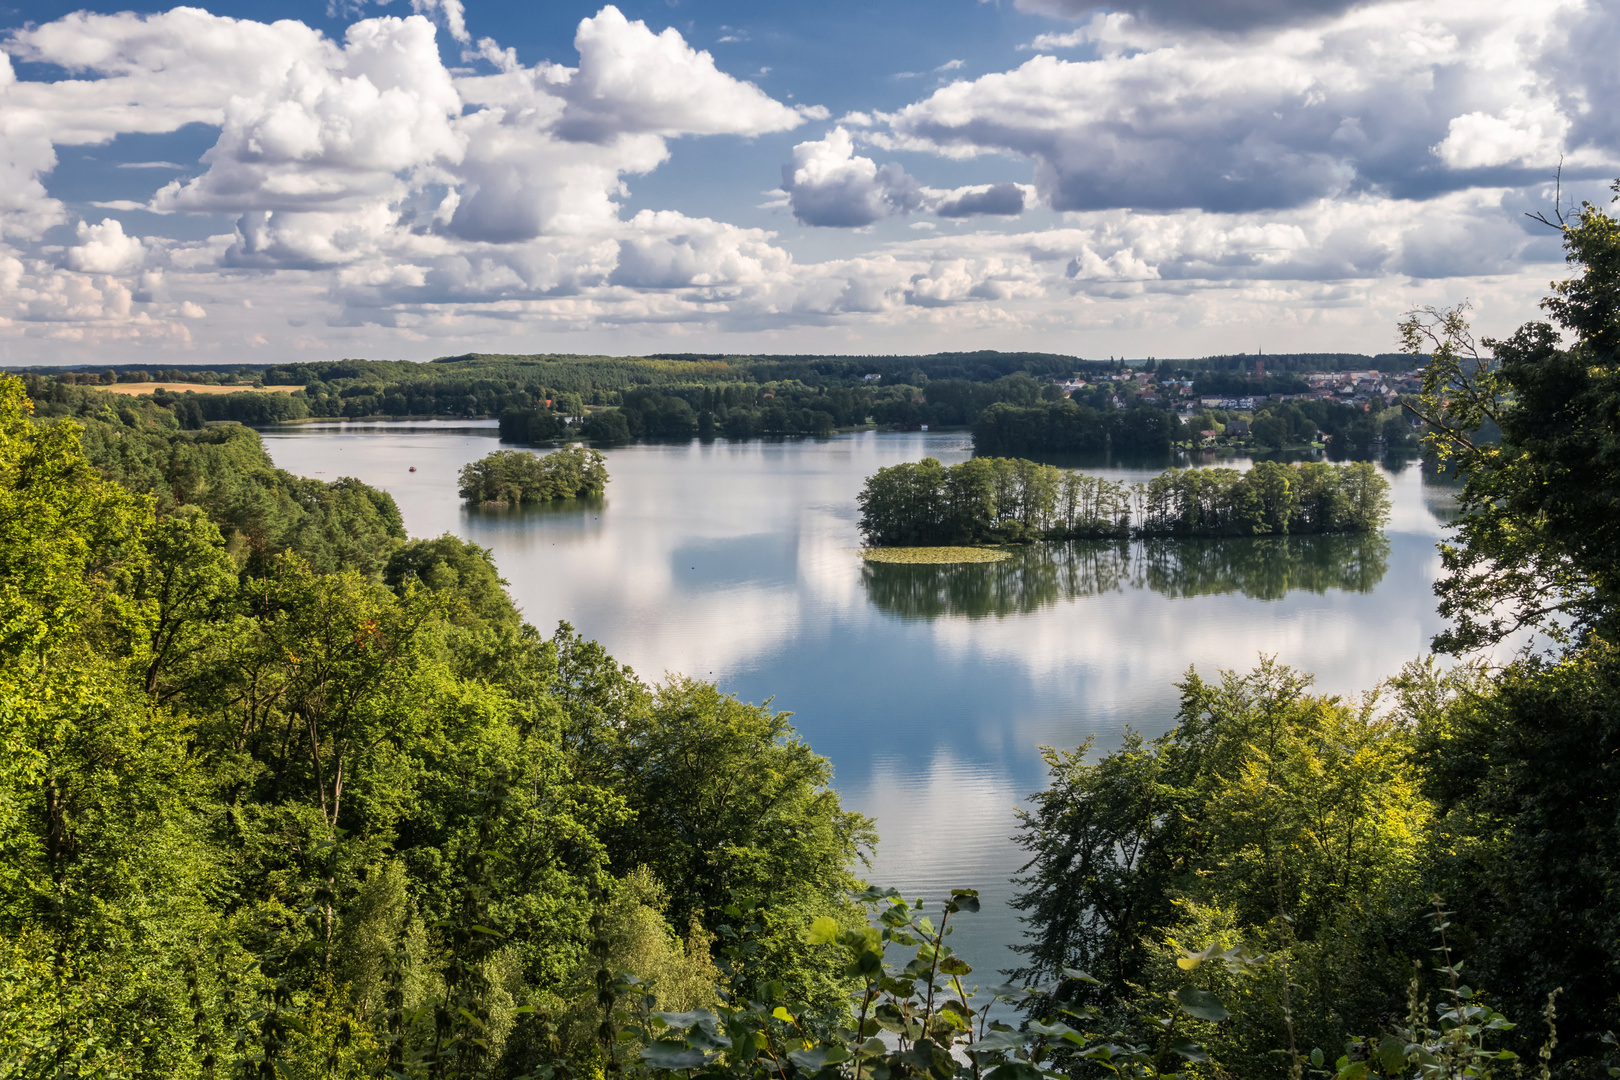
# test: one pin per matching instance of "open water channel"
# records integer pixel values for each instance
(930, 688)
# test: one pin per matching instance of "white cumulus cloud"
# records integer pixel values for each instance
(104, 249)
(1401, 97)
(829, 184)
(453, 13)
(632, 81)
(1318, 166)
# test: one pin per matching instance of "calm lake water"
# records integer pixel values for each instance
(931, 689)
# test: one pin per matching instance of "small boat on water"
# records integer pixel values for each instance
(413, 468)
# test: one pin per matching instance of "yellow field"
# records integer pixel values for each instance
(137, 388)
(934, 554)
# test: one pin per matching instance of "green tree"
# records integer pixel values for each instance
(519, 477)
(1538, 546)
(64, 531)
(609, 426)
(1286, 822)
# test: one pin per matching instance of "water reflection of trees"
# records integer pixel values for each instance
(1262, 568)
(583, 505)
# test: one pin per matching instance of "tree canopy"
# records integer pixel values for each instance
(1538, 546)
(519, 477)
(265, 813)
(1006, 500)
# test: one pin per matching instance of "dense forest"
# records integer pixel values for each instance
(1070, 427)
(1144, 431)
(519, 477)
(287, 794)
(1011, 500)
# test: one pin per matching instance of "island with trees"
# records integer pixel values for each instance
(1005, 500)
(518, 478)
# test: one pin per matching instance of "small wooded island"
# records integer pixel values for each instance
(1011, 500)
(518, 477)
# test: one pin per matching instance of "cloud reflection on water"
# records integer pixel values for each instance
(930, 690)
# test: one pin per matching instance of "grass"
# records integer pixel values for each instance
(934, 554)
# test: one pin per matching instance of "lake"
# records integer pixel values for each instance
(930, 688)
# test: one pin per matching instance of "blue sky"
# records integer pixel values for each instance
(427, 177)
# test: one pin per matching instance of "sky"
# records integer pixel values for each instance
(407, 179)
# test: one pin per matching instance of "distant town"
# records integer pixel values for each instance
(1179, 394)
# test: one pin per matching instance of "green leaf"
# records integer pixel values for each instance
(1002, 1040)
(818, 1058)
(868, 963)
(823, 931)
(1009, 992)
(782, 1015)
(1189, 1050)
(954, 965)
(873, 1047)
(1061, 1031)
(668, 1054)
(1391, 1053)
(1076, 973)
(1201, 1004)
(895, 917)
(1317, 1057)
(688, 1019)
(1356, 1070)
(1016, 1070)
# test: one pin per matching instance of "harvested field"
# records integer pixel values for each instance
(138, 388)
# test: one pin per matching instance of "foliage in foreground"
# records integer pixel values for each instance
(1538, 544)
(1001, 500)
(519, 477)
(919, 1015)
(261, 819)
(1318, 832)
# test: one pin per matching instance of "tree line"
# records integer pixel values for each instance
(1007, 500)
(1090, 422)
(1070, 427)
(609, 401)
(519, 477)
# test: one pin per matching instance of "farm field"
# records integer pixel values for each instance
(138, 388)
